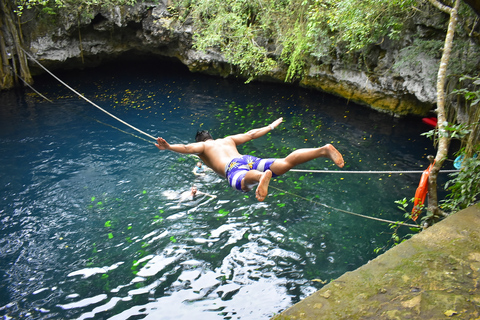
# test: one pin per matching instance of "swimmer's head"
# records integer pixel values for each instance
(199, 164)
(194, 190)
(203, 135)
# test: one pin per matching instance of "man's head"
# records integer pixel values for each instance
(203, 135)
(194, 190)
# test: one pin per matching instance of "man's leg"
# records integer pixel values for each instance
(280, 166)
(255, 177)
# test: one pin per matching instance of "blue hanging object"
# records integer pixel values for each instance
(458, 162)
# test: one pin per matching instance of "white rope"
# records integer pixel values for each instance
(349, 212)
(81, 96)
(390, 172)
(28, 85)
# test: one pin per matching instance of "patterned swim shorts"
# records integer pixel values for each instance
(237, 168)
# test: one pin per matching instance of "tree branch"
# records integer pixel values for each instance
(440, 6)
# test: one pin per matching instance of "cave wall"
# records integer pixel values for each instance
(150, 29)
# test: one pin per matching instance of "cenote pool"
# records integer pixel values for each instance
(91, 225)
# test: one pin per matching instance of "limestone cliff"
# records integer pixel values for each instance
(151, 29)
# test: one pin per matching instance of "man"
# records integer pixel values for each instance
(244, 172)
(190, 195)
(199, 169)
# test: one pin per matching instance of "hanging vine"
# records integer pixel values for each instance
(12, 58)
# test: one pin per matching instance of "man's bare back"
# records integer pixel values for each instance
(218, 153)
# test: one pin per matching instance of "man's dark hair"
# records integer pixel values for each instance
(203, 135)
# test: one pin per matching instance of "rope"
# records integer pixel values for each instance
(349, 212)
(134, 135)
(392, 172)
(28, 85)
(83, 97)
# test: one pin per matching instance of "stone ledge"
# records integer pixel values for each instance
(433, 275)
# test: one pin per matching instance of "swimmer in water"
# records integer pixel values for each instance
(200, 169)
(244, 172)
(190, 195)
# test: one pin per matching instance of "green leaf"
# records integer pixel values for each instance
(223, 212)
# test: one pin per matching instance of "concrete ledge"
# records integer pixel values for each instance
(433, 275)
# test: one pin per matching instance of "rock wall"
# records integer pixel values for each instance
(433, 275)
(150, 29)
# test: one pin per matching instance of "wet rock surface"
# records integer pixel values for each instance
(433, 275)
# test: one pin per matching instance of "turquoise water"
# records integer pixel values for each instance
(91, 222)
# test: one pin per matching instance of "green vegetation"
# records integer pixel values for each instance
(73, 6)
(257, 36)
(464, 186)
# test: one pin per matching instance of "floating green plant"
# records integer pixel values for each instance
(108, 224)
(110, 235)
(223, 212)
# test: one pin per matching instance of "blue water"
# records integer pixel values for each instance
(91, 226)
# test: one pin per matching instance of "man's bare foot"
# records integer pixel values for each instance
(334, 155)
(262, 188)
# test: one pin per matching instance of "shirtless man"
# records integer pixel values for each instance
(190, 195)
(200, 169)
(242, 171)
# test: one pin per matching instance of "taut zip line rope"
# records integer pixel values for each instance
(340, 171)
(83, 97)
(349, 212)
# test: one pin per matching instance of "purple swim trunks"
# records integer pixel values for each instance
(236, 169)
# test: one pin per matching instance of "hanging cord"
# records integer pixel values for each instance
(349, 212)
(83, 97)
(337, 171)
(133, 135)
(28, 85)
(106, 124)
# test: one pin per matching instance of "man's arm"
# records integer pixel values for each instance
(192, 148)
(208, 195)
(255, 133)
